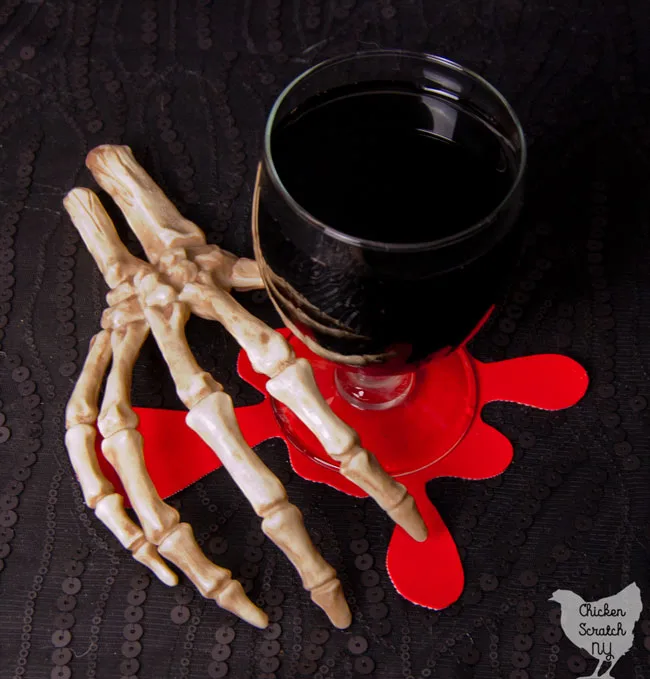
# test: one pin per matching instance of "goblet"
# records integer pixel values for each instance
(384, 226)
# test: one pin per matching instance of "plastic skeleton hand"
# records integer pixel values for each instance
(185, 275)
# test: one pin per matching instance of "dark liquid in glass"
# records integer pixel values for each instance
(391, 165)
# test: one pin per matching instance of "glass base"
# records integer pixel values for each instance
(430, 420)
(372, 392)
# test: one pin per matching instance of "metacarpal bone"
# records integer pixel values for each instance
(115, 262)
(153, 217)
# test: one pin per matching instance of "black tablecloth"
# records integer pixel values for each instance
(188, 86)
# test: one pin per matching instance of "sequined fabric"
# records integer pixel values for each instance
(188, 86)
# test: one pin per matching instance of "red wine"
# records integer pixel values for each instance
(368, 164)
(368, 167)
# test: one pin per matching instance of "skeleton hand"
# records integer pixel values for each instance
(185, 275)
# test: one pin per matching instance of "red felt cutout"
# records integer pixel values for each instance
(428, 573)
(412, 441)
(176, 457)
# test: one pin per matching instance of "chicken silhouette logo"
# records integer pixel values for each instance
(603, 628)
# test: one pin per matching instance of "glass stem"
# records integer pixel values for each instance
(369, 391)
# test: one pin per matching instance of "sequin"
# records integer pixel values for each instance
(381, 627)
(140, 581)
(134, 614)
(525, 625)
(359, 546)
(71, 585)
(80, 552)
(470, 656)
(129, 666)
(132, 631)
(274, 613)
(269, 664)
(61, 656)
(370, 578)
(221, 652)
(8, 502)
(183, 595)
(224, 635)
(364, 665)
(20, 374)
(64, 620)
(61, 638)
(270, 648)
(378, 611)
(313, 652)
(577, 664)
(364, 561)
(319, 636)
(307, 666)
(20, 473)
(216, 670)
(136, 597)
(74, 568)
(528, 579)
(357, 645)
(274, 597)
(488, 582)
(375, 594)
(552, 634)
(131, 649)
(180, 614)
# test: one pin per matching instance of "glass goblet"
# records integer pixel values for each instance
(384, 224)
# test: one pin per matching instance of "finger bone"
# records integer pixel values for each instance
(124, 451)
(116, 413)
(110, 511)
(82, 406)
(296, 388)
(211, 580)
(80, 443)
(215, 422)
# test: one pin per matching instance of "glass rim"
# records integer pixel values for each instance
(381, 245)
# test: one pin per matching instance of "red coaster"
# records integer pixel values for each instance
(448, 398)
